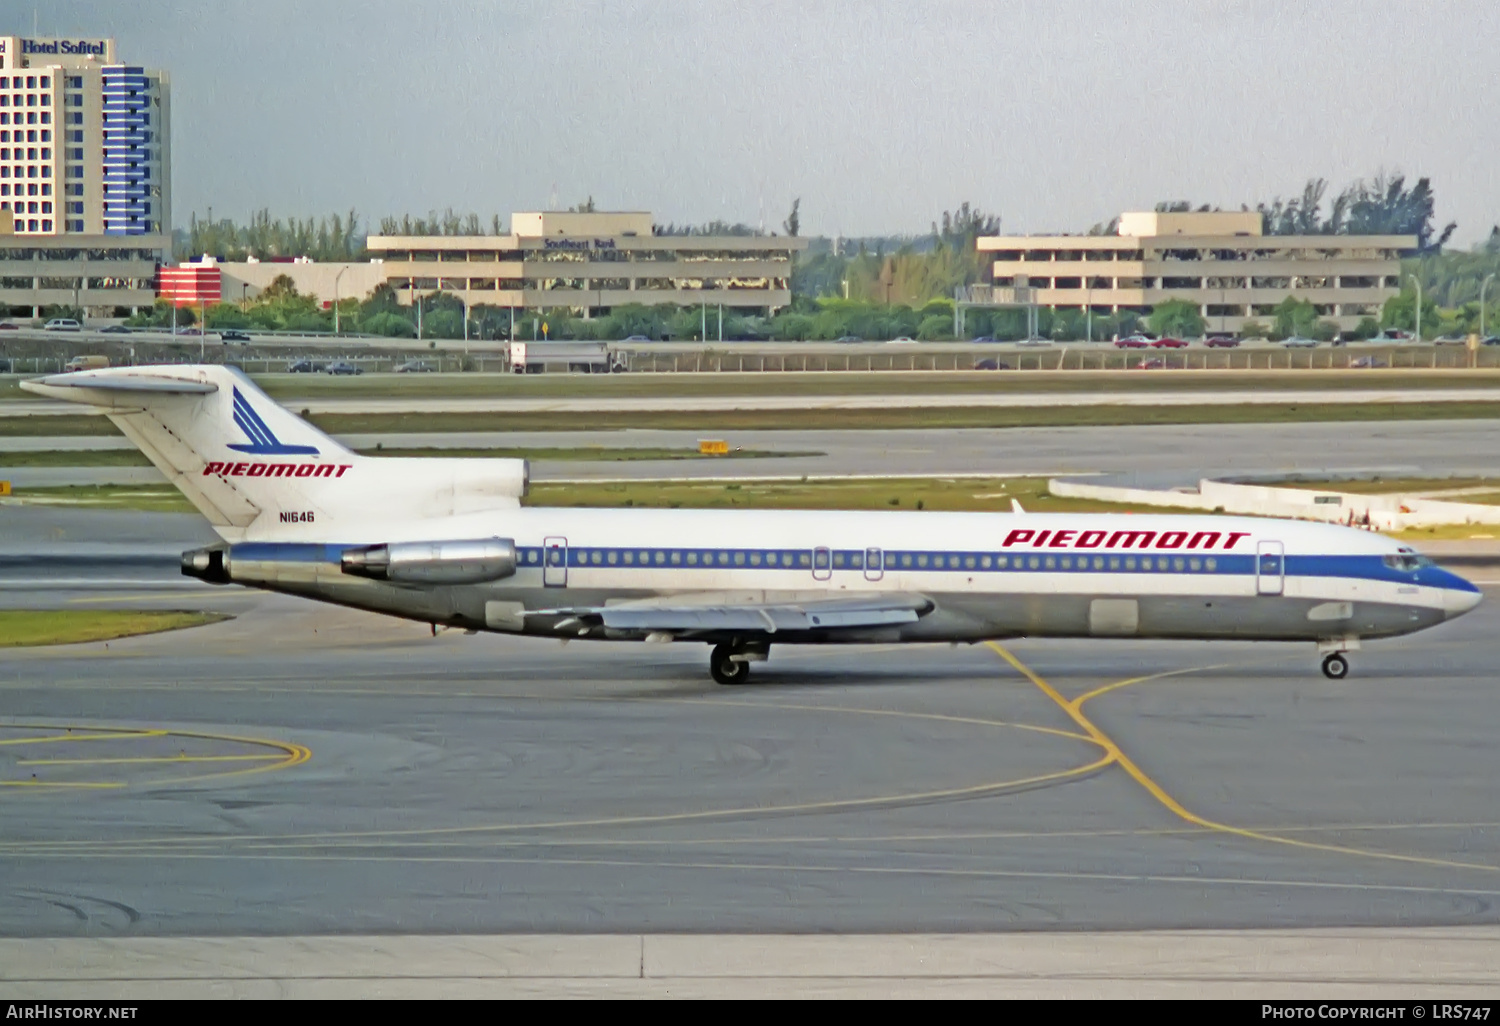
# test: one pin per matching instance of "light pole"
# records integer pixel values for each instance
(336, 278)
(1088, 306)
(1482, 287)
(1417, 282)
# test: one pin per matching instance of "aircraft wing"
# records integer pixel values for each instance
(692, 615)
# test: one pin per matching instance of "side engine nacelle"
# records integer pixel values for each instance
(442, 562)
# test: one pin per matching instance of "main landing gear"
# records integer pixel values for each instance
(1335, 666)
(730, 664)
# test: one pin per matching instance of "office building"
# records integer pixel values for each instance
(1219, 261)
(591, 263)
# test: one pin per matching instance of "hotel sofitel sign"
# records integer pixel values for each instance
(59, 46)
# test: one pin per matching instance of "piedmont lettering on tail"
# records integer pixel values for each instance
(448, 541)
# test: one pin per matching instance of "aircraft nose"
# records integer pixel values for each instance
(1458, 601)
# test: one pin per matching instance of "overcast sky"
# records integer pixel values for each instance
(1054, 115)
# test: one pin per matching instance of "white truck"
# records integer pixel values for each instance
(583, 357)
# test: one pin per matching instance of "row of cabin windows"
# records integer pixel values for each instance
(856, 560)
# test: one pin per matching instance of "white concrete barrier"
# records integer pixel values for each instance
(1392, 512)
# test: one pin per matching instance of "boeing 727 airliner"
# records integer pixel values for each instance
(446, 541)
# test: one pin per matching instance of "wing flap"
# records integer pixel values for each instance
(768, 617)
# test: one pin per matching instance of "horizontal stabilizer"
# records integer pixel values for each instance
(142, 383)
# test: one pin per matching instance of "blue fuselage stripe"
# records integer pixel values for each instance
(894, 561)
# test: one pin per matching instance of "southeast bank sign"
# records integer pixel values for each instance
(581, 244)
(62, 46)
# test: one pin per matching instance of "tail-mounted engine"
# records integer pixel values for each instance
(445, 562)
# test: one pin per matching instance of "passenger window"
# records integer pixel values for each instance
(1195, 565)
(645, 558)
(630, 559)
(838, 559)
(1002, 562)
(857, 560)
(1114, 562)
(1145, 562)
(984, 562)
(661, 557)
(969, 562)
(676, 558)
(755, 559)
(1098, 562)
(771, 559)
(1067, 563)
(1178, 564)
(803, 559)
(906, 560)
(922, 559)
(1051, 563)
(1211, 564)
(739, 559)
(723, 559)
(1033, 562)
(692, 559)
(614, 557)
(598, 557)
(1129, 562)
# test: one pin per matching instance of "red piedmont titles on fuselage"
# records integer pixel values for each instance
(276, 469)
(1202, 540)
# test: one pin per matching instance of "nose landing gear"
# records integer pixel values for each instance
(1335, 666)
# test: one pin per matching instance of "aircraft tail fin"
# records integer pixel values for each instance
(255, 469)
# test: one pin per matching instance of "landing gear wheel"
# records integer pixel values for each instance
(1335, 667)
(726, 670)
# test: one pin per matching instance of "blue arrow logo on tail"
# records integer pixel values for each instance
(262, 441)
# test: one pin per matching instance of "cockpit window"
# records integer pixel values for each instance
(1407, 562)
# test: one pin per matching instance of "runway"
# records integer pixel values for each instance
(1145, 455)
(304, 770)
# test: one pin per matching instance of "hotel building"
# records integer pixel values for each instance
(85, 159)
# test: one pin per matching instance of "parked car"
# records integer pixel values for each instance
(190, 332)
(1392, 335)
(7, 326)
(4, 366)
(115, 329)
(1169, 343)
(637, 338)
(414, 367)
(1152, 364)
(233, 335)
(1299, 342)
(343, 367)
(1449, 340)
(79, 363)
(848, 338)
(900, 339)
(62, 324)
(303, 367)
(990, 365)
(1131, 342)
(984, 338)
(1490, 340)
(1221, 342)
(1034, 342)
(1368, 361)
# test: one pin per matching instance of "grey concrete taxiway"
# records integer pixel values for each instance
(303, 770)
(1144, 454)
